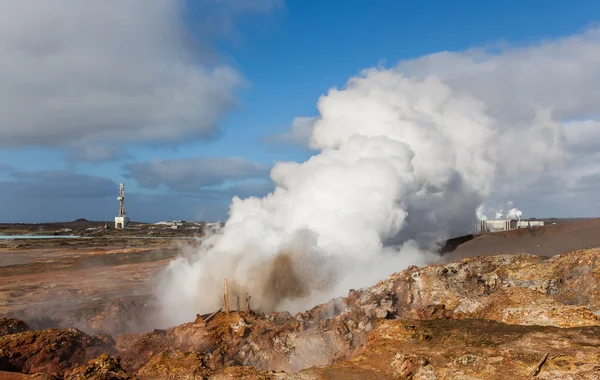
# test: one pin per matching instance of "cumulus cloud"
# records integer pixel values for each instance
(193, 174)
(516, 83)
(76, 73)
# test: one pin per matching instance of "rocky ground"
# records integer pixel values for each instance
(495, 317)
(97, 285)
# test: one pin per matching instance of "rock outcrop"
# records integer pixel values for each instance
(52, 351)
(562, 291)
(11, 326)
(102, 368)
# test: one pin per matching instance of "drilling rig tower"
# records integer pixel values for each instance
(121, 220)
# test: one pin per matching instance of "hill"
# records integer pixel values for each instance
(549, 240)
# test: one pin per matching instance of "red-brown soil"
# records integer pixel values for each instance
(96, 285)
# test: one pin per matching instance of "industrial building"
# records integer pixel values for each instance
(495, 225)
(530, 223)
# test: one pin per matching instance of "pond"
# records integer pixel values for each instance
(15, 237)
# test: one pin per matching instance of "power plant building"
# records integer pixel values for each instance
(496, 225)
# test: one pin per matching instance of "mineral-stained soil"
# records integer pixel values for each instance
(495, 317)
(96, 285)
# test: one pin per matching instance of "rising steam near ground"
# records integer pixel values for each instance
(401, 162)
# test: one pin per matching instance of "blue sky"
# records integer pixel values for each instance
(288, 54)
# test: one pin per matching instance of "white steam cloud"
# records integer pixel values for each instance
(483, 213)
(514, 213)
(402, 163)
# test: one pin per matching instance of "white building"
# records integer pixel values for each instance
(530, 223)
(495, 225)
(121, 222)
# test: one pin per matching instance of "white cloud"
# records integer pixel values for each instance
(561, 75)
(193, 174)
(76, 73)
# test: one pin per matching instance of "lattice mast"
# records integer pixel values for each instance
(121, 199)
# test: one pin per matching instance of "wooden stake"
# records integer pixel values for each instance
(538, 367)
(248, 303)
(211, 316)
(226, 299)
(238, 304)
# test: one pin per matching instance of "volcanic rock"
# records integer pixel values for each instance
(101, 368)
(51, 351)
(175, 365)
(21, 376)
(12, 326)
(562, 291)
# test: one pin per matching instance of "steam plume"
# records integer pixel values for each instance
(514, 213)
(402, 163)
(498, 212)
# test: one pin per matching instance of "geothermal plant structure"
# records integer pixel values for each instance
(121, 220)
(496, 225)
